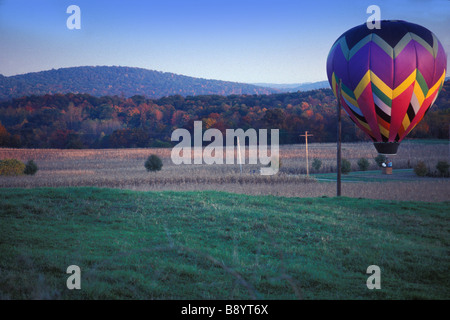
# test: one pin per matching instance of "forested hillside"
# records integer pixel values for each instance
(85, 121)
(120, 81)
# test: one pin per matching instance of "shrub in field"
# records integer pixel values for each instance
(316, 164)
(31, 168)
(153, 163)
(346, 166)
(363, 164)
(421, 169)
(11, 167)
(442, 167)
(380, 159)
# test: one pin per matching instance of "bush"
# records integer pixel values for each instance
(31, 168)
(363, 164)
(11, 167)
(153, 163)
(442, 167)
(346, 166)
(421, 169)
(316, 164)
(380, 159)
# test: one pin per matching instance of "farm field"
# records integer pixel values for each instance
(124, 169)
(211, 232)
(217, 245)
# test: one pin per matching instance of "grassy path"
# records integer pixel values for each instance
(375, 176)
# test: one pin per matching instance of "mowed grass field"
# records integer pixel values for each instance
(217, 245)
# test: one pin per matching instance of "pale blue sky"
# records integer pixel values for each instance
(249, 41)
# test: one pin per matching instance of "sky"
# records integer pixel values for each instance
(263, 41)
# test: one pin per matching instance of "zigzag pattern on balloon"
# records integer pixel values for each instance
(384, 97)
(386, 87)
(393, 52)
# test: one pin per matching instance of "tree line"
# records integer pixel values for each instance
(85, 121)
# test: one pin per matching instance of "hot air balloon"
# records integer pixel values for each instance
(389, 78)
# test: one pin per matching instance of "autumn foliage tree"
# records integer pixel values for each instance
(4, 136)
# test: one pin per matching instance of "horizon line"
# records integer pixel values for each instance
(178, 74)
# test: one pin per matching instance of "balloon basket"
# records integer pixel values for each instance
(386, 147)
(387, 170)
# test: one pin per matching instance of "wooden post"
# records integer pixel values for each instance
(306, 135)
(338, 180)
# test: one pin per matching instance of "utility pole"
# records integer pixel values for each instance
(306, 135)
(338, 185)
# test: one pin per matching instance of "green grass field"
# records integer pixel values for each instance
(426, 141)
(215, 245)
(369, 176)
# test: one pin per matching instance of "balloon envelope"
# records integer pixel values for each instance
(389, 78)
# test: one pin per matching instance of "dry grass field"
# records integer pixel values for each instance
(124, 168)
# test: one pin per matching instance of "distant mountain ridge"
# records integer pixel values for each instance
(120, 81)
(294, 87)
